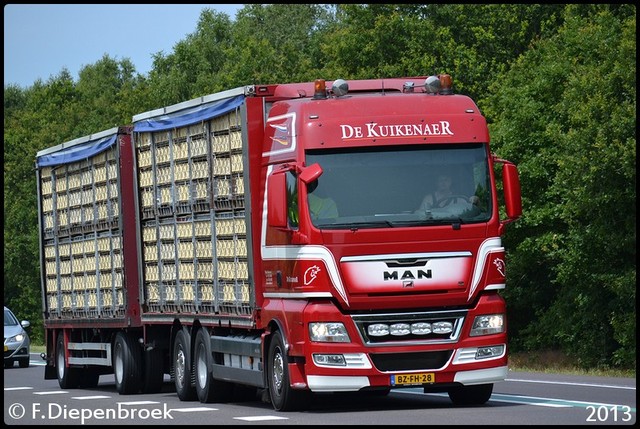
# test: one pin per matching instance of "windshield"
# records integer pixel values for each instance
(400, 186)
(9, 320)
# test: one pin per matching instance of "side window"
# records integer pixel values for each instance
(292, 200)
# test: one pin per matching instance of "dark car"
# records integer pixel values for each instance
(16, 340)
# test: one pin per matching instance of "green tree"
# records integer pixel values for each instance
(566, 114)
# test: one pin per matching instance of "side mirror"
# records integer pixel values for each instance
(311, 173)
(25, 324)
(512, 193)
(277, 200)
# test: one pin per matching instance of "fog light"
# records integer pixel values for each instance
(400, 329)
(489, 352)
(330, 360)
(442, 327)
(421, 328)
(378, 330)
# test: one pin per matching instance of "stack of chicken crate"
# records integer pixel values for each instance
(191, 193)
(82, 236)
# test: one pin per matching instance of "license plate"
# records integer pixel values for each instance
(406, 379)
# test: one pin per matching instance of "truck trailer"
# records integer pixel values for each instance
(274, 239)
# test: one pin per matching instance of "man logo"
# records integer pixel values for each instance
(407, 275)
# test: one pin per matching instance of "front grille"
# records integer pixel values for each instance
(454, 318)
(410, 361)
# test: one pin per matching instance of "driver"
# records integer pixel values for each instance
(443, 195)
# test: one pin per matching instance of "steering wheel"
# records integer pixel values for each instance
(443, 202)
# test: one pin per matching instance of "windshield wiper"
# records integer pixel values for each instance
(354, 226)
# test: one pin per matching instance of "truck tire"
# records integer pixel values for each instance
(471, 395)
(68, 378)
(183, 368)
(127, 365)
(152, 371)
(208, 388)
(283, 397)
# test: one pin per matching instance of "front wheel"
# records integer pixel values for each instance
(283, 397)
(471, 395)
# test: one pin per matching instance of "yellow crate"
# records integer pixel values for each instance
(236, 140)
(204, 271)
(149, 233)
(198, 147)
(221, 166)
(180, 151)
(162, 154)
(185, 229)
(52, 284)
(153, 293)
(200, 170)
(53, 302)
(207, 292)
(236, 163)
(169, 272)
(228, 293)
(204, 249)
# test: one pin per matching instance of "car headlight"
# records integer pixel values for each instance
(487, 324)
(328, 332)
(16, 338)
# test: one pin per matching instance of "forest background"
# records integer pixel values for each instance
(556, 82)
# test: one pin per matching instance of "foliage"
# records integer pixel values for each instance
(567, 118)
(556, 83)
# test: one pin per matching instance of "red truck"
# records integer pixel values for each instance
(281, 239)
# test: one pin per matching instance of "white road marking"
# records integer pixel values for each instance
(192, 410)
(260, 418)
(90, 397)
(53, 392)
(17, 388)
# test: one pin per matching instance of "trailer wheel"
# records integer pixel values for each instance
(283, 397)
(208, 388)
(153, 371)
(127, 364)
(68, 378)
(471, 395)
(182, 368)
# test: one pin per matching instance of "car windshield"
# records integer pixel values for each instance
(9, 320)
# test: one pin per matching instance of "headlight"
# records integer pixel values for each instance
(16, 339)
(328, 332)
(487, 324)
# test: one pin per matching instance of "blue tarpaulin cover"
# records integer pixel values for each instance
(189, 116)
(76, 152)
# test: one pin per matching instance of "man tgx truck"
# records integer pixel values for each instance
(272, 239)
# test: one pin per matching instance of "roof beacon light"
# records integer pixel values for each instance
(340, 87)
(446, 84)
(319, 89)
